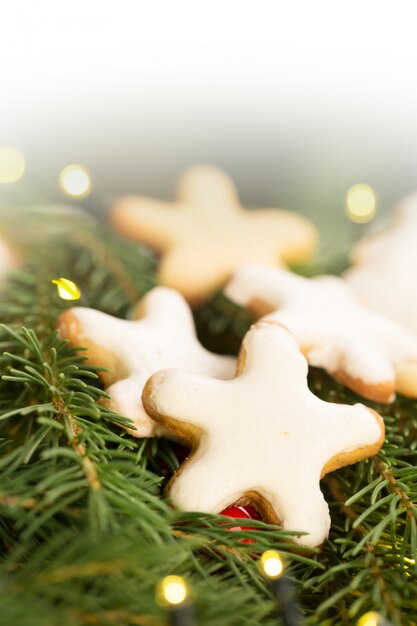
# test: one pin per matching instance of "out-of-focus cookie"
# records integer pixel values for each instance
(361, 348)
(262, 438)
(384, 271)
(8, 259)
(163, 335)
(206, 234)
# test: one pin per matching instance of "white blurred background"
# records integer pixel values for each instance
(297, 100)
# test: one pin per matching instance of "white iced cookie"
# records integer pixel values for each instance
(262, 438)
(359, 347)
(385, 268)
(163, 335)
(206, 234)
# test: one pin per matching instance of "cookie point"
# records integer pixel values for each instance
(279, 332)
(68, 325)
(204, 171)
(206, 185)
(406, 379)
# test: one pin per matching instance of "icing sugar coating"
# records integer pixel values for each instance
(266, 414)
(385, 267)
(363, 349)
(206, 234)
(163, 336)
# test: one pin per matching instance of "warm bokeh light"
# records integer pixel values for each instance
(12, 165)
(75, 181)
(67, 289)
(361, 203)
(369, 619)
(172, 590)
(272, 564)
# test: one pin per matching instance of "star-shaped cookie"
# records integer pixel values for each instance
(262, 438)
(163, 335)
(206, 234)
(359, 347)
(385, 267)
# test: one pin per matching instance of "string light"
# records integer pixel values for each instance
(369, 619)
(12, 165)
(272, 564)
(67, 289)
(173, 590)
(361, 203)
(372, 619)
(283, 589)
(75, 181)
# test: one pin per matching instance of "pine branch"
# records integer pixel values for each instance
(371, 555)
(111, 273)
(84, 532)
(67, 467)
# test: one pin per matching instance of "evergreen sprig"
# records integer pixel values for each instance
(85, 533)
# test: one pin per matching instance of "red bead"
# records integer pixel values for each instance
(242, 512)
(247, 512)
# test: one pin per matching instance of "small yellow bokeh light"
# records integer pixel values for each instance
(67, 289)
(172, 590)
(12, 165)
(361, 203)
(75, 181)
(369, 619)
(272, 564)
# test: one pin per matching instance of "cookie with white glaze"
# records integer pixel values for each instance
(361, 348)
(162, 335)
(206, 234)
(384, 270)
(266, 414)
